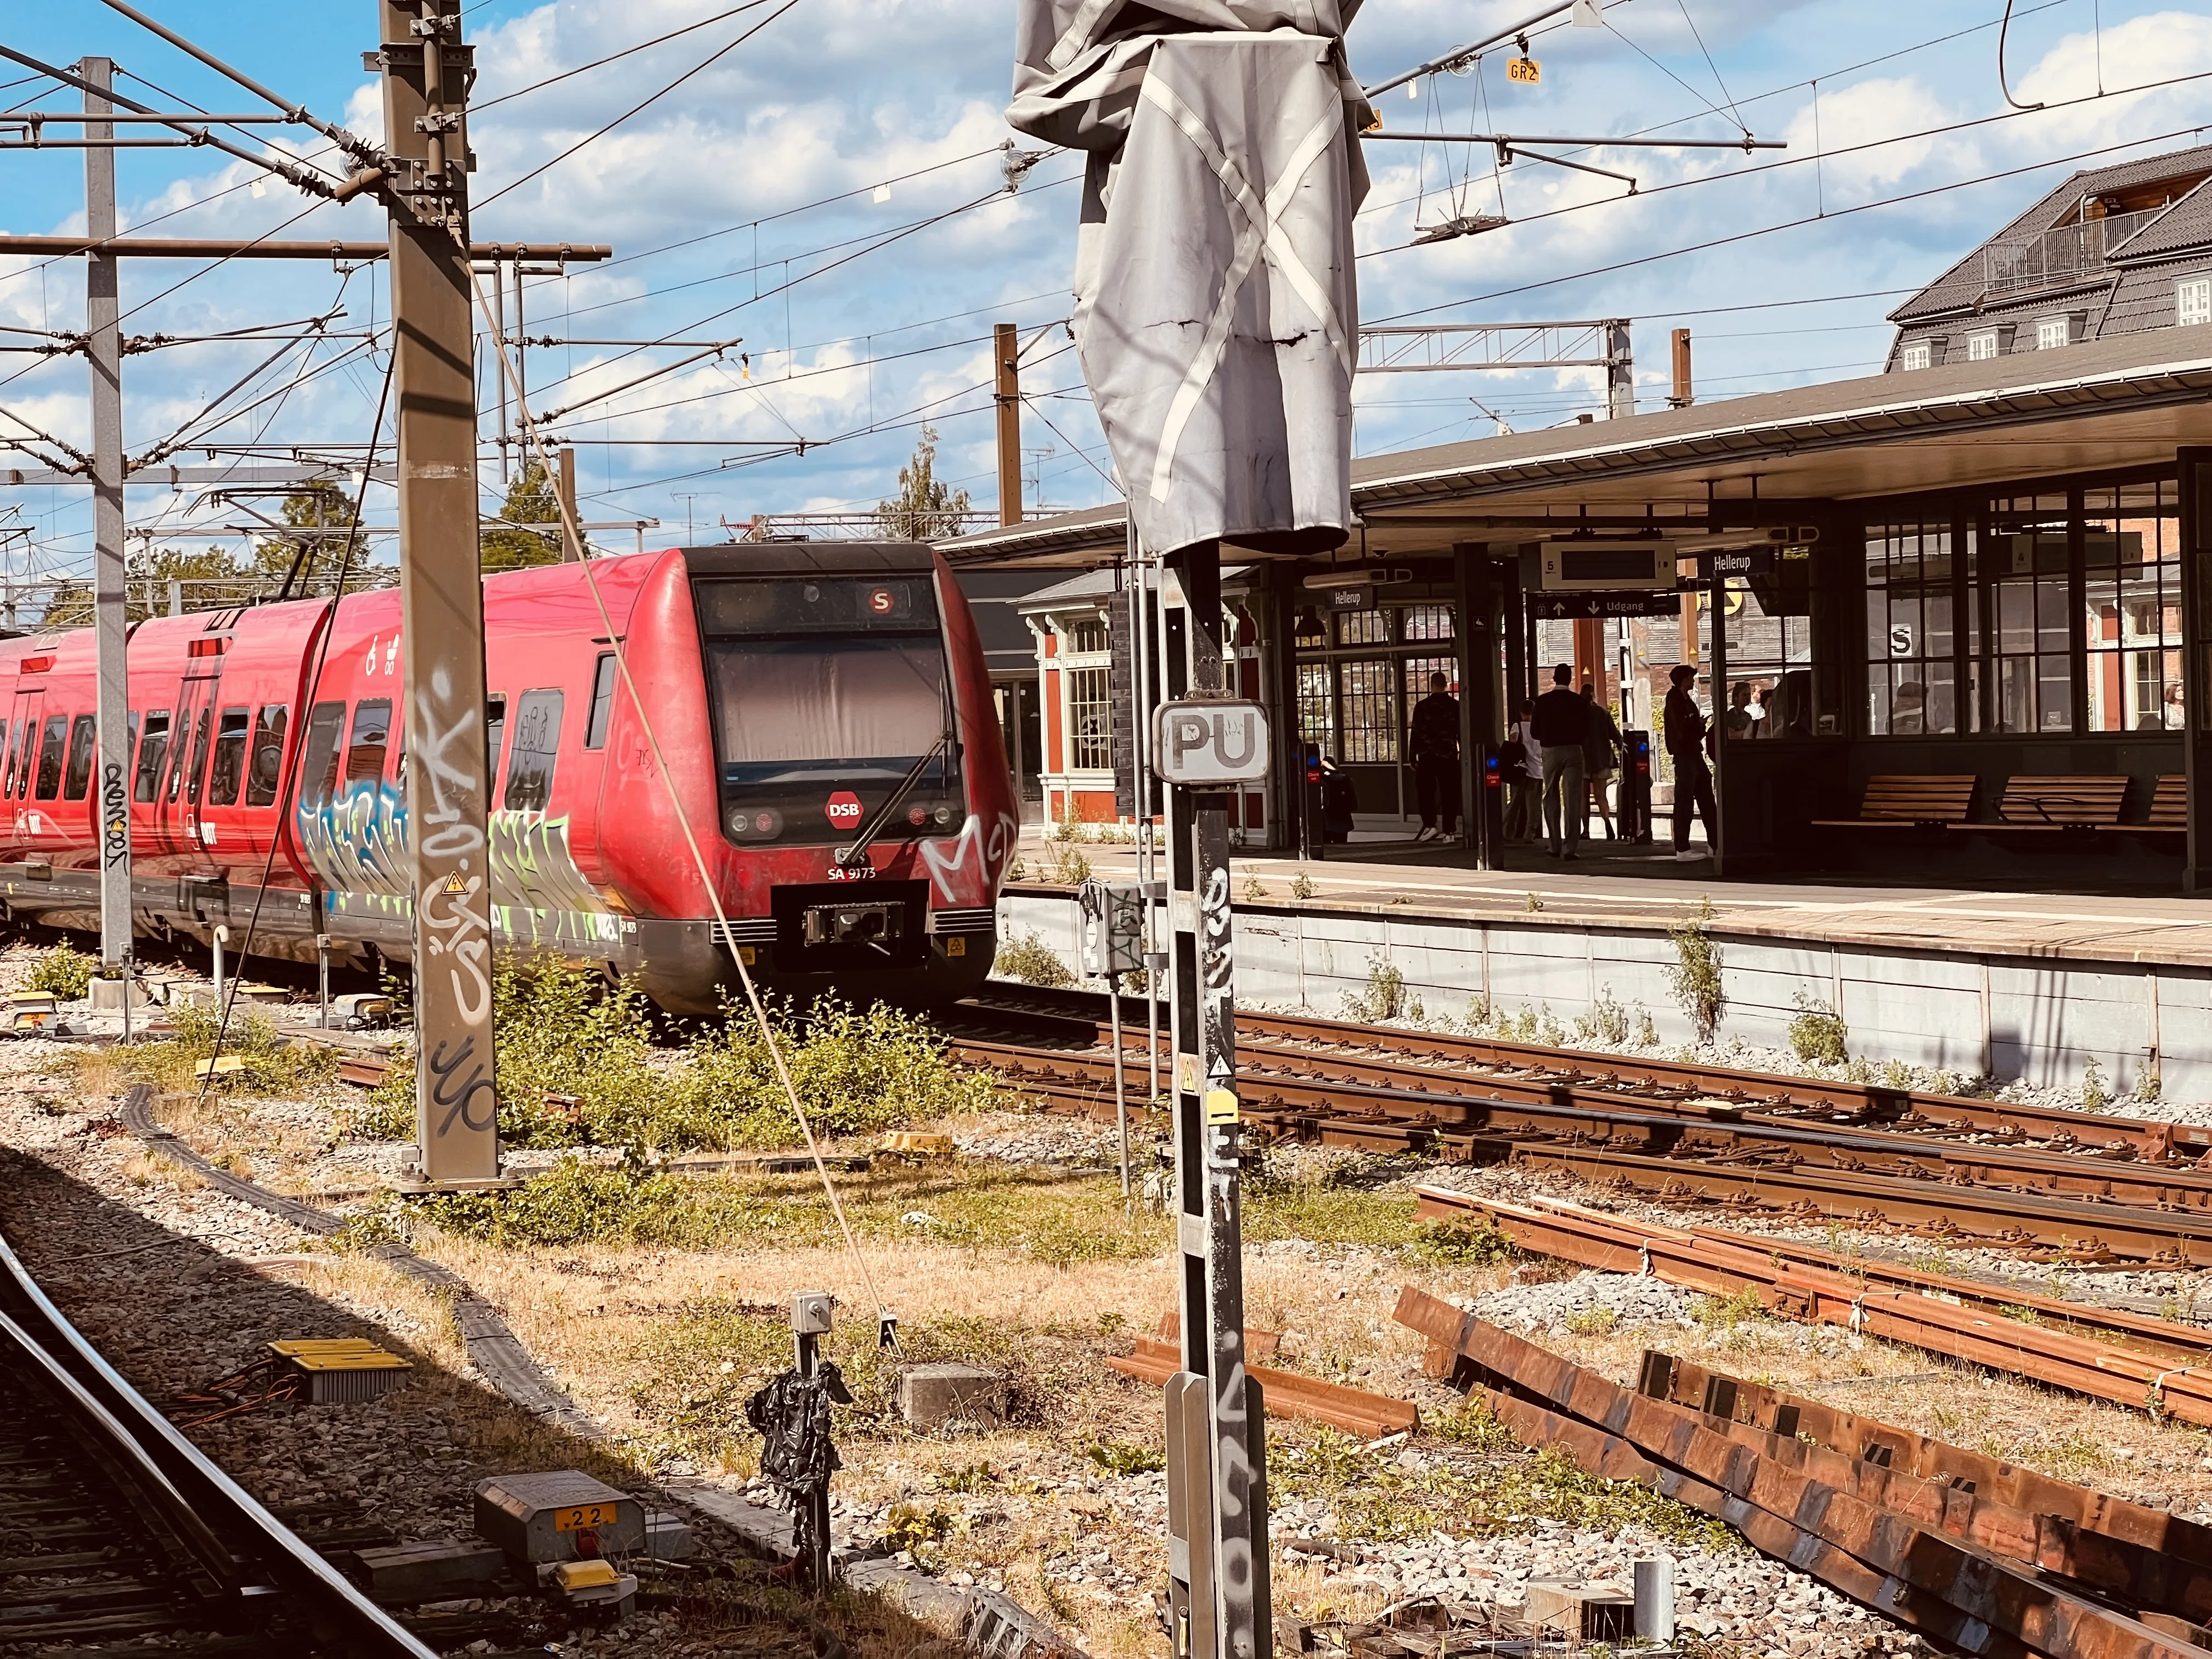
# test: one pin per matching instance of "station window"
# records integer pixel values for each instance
(2052, 333)
(2192, 301)
(1917, 354)
(537, 746)
(1317, 707)
(228, 773)
(2022, 632)
(1912, 670)
(266, 771)
(1086, 637)
(1363, 627)
(1981, 345)
(2132, 594)
(82, 738)
(1367, 703)
(370, 741)
(151, 753)
(50, 756)
(1427, 622)
(1090, 720)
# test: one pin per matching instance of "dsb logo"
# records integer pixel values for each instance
(845, 810)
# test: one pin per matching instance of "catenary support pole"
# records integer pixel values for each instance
(110, 624)
(1207, 1130)
(441, 591)
(1005, 353)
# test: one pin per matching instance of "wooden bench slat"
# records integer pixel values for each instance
(1903, 800)
(2046, 802)
(2169, 804)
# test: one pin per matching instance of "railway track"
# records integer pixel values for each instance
(2080, 1185)
(2083, 1185)
(118, 1533)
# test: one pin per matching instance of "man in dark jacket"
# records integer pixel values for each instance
(1433, 747)
(1693, 778)
(1562, 718)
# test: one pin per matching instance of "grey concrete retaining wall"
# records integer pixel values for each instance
(1970, 1013)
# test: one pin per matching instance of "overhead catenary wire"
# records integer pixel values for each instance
(697, 69)
(886, 1325)
(611, 57)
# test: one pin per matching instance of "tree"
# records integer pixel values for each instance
(318, 506)
(530, 500)
(213, 578)
(924, 510)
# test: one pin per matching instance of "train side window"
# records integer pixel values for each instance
(50, 756)
(372, 739)
(81, 739)
(199, 757)
(319, 764)
(8, 735)
(26, 758)
(603, 702)
(266, 769)
(537, 742)
(151, 753)
(495, 737)
(229, 769)
(17, 744)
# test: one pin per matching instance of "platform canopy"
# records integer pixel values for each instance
(2108, 406)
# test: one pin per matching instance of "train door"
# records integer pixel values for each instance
(177, 827)
(23, 749)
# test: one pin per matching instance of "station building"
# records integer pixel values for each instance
(1980, 581)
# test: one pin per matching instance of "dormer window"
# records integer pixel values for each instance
(2052, 333)
(1916, 355)
(1981, 345)
(2192, 301)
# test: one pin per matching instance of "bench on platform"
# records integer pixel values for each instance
(2049, 805)
(1897, 801)
(2169, 808)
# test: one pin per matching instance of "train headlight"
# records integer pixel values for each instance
(755, 823)
(944, 815)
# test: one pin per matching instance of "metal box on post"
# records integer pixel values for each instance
(542, 1517)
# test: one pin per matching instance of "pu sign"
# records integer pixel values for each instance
(845, 810)
(1202, 744)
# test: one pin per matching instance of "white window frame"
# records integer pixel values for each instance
(2192, 301)
(1917, 354)
(1069, 662)
(2047, 327)
(1981, 345)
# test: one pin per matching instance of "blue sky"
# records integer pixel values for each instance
(850, 340)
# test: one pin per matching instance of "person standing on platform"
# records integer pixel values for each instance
(1521, 769)
(1562, 718)
(1433, 747)
(1694, 779)
(1600, 755)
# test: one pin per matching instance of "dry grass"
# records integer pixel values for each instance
(147, 1168)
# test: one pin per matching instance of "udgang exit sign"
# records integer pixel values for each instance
(1202, 744)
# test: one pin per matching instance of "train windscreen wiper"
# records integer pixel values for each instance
(856, 855)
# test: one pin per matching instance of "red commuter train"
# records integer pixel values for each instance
(798, 691)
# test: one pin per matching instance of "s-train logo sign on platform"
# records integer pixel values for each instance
(1203, 744)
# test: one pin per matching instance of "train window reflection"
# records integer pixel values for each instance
(865, 707)
(494, 736)
(229, 769)
(151, 753)
(82, 738)
(267, 769)
(199, 754)
(372, 736)
(603, 701)
(537, 741)
(318, 767)
(50, 756)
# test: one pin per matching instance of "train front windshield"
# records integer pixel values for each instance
(828, 692)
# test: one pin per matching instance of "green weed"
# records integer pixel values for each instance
(1124, 1457)
(1384, 996)
(2096, 1095)
(1817, 1032)
(65, 973)
(1301, 886)
(1030, 960)
(1695, 978)
(1472, 1242)
(272, 1065)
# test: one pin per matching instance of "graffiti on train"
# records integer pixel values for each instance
(357, 842)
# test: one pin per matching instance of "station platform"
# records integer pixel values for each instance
(2006, 985)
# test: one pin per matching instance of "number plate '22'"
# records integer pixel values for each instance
(578, 1518)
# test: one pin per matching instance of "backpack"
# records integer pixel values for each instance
(1512, 756)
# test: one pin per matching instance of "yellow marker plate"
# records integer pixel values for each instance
(955, 946)
(1221, 1106)
(1525, 69)
(579, 1517)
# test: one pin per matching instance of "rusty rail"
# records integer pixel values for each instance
(1355, 1411)
(1955, 1588)
(1883, 1302)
